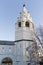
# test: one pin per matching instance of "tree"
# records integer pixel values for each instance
(39, 34)
(34, 51)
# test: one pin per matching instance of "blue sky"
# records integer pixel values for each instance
(9, 11)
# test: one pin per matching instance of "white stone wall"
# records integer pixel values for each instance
(23, 32)
(21, 53)
(16, 52)
(8, 51)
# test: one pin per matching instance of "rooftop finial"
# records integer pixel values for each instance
(23, 5)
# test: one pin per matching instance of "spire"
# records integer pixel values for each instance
(24, 15)
(24, 8)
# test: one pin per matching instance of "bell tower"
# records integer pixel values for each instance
(24, 26)
(24, 35)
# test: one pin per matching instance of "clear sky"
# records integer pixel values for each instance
(9, 11)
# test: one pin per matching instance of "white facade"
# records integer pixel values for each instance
(24, 32)
(24, 36)
(7, 51)
(17, 53)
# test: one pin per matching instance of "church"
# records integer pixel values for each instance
(18, 52)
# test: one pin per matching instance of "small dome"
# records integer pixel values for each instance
(23, 5)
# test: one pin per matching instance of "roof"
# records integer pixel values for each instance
(12, 42)
(25, 15)
(7, 43)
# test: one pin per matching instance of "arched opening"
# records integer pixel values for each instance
(27, 24)
(41, 63)
(19, 24)
(7, 61)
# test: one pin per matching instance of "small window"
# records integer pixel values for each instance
(27, 24)
(19, 24)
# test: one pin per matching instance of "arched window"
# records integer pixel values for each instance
(19, 24)
(27, 24)
(7, 61)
